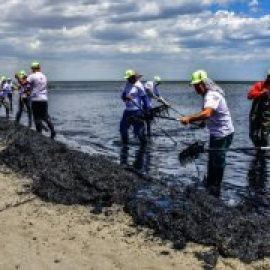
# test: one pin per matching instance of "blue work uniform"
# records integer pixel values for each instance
(8, 87)
(135, 109)
(4, 98)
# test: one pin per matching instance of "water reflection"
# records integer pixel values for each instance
(141, 162)
(258, 195)
(257, 173)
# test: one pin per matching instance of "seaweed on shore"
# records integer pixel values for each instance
(239, 232)
(67, 176)
(63, 175)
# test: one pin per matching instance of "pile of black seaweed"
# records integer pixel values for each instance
(63, 175)
(68, 176)
(242, 232)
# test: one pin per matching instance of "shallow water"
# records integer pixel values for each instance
(87, 116)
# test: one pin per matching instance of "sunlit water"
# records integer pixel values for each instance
(87, 116)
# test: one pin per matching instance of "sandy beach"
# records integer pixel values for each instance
(40, 235)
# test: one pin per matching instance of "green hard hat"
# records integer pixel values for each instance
(22, 74)
(129, 73)
(3, 78)
(198, 76)
(35, 64)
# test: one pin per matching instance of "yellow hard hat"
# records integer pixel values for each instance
(198, 76)
(129, 73)
(35, 65)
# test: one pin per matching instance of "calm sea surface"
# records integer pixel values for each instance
(87, 116)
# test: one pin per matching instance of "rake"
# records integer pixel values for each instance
(193, 151)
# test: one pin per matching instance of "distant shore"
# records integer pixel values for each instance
(164, 82)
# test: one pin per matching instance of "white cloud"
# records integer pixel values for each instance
(150, 33)
(254, 5)
(79, 31)
(150, 8)
(34, 45)
(133, 31)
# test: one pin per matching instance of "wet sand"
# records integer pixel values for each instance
(38, 232)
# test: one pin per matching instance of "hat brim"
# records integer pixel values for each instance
(195, 82)
(135, 75)
(35, 66)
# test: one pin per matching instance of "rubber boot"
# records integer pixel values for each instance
(124, 155)
(214, 180)
(143, 140)
(7, 113)
(124, 138)
(148, 128)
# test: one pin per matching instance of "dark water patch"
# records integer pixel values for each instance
(175, 210)
(79, 133)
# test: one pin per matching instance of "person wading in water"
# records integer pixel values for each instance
(218, 120)
(259, 117)
(137, 106)
(152, 91)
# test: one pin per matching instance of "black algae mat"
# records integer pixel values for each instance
(62, 175)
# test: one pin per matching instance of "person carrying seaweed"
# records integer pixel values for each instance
(218, 120)
(137, 106)
(259, 117)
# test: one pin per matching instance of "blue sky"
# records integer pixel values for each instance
(100, 39)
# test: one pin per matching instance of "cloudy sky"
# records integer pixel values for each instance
(100, 39)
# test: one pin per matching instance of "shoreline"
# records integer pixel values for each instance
(62, 188)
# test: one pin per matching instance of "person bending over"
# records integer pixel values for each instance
(217, 117)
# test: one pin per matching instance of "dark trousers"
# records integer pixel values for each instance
(148, 127)
(259, 131)
(24, 103)
(259, 121)
(40, 113)
(217, 159)
(132, 118)
(9, 95)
